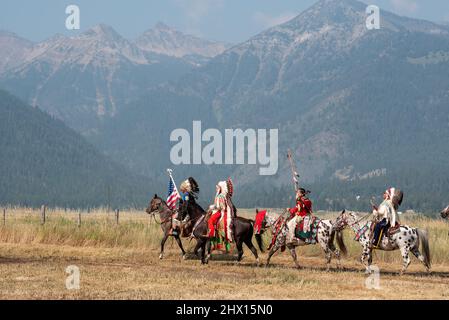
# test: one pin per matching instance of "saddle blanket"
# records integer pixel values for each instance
(362, 231)
(311, 235)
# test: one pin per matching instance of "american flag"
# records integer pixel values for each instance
(173, 195)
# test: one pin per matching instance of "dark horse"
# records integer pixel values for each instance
(197, 227)
(195, 212)
(242, 233)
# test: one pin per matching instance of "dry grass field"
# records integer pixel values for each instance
(121, 262)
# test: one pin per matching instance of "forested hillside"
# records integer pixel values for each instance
(44, 161)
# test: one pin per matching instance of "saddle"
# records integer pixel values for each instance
(393, 230)
(309, 236)
(385, 232)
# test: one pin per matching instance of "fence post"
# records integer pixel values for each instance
(4, 216)
(79, 219)
(43, 214)
(117, 213)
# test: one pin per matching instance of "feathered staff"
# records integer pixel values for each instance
(295, 174)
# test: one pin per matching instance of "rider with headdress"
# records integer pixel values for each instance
(302, 211)
(188, 191)
(222, 209)
(386, 214)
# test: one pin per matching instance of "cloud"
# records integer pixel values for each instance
(405, 6)
(196, 10)
(267, 21)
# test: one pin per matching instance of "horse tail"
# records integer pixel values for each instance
(259, 241)
(340, 241)
(424, 237)
(258, 236)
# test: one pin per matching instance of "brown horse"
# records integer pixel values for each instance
(197, 227)
(242, 233)
(166, 222)
(196, 215)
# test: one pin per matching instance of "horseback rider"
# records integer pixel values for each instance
(385, 215)
(222, 209)
(302, 211)
(188, 191)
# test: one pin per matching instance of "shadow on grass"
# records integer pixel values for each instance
(424, 274)
(247, 262)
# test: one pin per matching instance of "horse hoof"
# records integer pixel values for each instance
(161, 256)
(184, 256)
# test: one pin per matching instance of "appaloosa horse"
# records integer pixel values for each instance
(445, 212)
(279, 228)
(195, 212)
(406, 239)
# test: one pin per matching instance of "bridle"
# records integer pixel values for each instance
(344, 222)
(445, 213)
(159, 209)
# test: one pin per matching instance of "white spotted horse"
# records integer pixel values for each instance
(445, 213)
(279, 228)
(406, 239)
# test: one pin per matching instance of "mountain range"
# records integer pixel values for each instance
(361, 109)
(86, 79)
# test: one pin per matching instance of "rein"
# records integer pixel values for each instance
(159, 209)
(362, 218)
(356, 222)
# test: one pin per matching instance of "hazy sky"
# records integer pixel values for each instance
(226, 20)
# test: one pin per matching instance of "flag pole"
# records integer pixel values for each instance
(170, 174)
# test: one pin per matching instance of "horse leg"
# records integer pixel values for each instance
(208, 249)
(197, 247)
(420, 257)
(251, 247)
(366, 258)
(239, 245)
(202, 243)
(292, 249)
(327, 252)
(406, 259)
(270, 254)
(161, 255)
(178, 240)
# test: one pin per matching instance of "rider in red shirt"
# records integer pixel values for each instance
(303, 204)
(302, 212)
